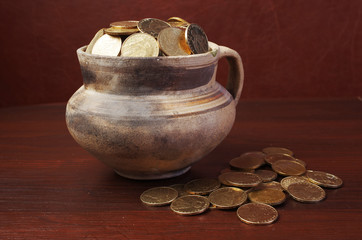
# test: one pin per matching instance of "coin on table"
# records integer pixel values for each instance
(306, 192)
(152, 26)
(180, 188)
(196, 39)
(172, 42)
(240, 179)
(288, 168)
(266, 175)
(285, 182)
(118, 31)
(257, 213)
(107, 45)
(202, 186)
(249, 160)
(227, 197)
(158, 196)
(190, 205)
(273, 157)
(272, 184)
(281, 150)
(324, 179)
(99, 34)
(140, 45)
(268, 196)
(125, 24)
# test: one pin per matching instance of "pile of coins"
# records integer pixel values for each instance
(149, 37)
(249, 186)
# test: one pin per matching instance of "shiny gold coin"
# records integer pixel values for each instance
(249, 160)
(288, 168)
(107, 45)
(266, 175)
(257, 213)
(99, 34)
(178, 22)
(140, 45)
(285, 182)
(306, 192)
(180, 188)
(118, 31)
(125, 24)
(172, 42)
(190, 205)
(158, 196)
(324, 179)
(273, 157)
(152, 26)
(272, 184)
(196, 39)
(240, 179)
(176, 19)
(268, 196)
(227, 197)
(202, 186)
(281, 150)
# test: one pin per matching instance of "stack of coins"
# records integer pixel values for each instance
(248, 185)
(149, 37)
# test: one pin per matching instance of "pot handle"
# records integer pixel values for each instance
(236, 72)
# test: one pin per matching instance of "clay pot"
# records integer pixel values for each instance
(152, 118)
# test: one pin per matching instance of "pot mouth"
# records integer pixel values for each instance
(213, 51)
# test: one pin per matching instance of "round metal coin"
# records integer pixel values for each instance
(273, 157)
(272, 184)
(266, 175)
(249, 160)
(257, 213)
(202, 186)
(172, 42)
(288, 168)
(140, 45)
(306, 192)
(196, 39)
(180, 188)
(268, 196)
(107, 45)
(281, 150)
(227, 197)
(190, 205)
(99, 34)
(285, 182)
(125, 24)
(324, 179)
(152, 26)
(158, 196)
(117, 31)
(240, 179)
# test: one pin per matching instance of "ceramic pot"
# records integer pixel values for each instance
(152, 118)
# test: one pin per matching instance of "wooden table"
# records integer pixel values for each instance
(50, 188)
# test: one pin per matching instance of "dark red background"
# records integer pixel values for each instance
(290, 48)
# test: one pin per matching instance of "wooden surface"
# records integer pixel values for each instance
(50, 188)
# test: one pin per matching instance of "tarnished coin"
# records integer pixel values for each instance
(237, 170)
(257, 213)
(268, 196)
(240, 179)
(288, 168)
(202, 186)
(180, 188)
(324, 179)
(172, 42)
(227, 197)
(249, 160)
(107, 45)
(196, 39)
(118, 31)
(273, 157)
(306, 192)
(285, 182)
(190, 205)
(125, 24)
(158, 196)
(152, 26)
(266, 175)
(140, 45)
(272, 184)
(301, 162)
(99, 34)
(281, 150)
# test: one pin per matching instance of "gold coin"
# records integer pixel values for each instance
(172, 42)
(272, 184)
(249, 160)
(306, 192)
(324, 179)
(196, 39)
(176, 19)
(273, 157)
(180, 188)
(285, 182)
(99, 34)
(140, 45)
(178, 22)
(227, 197)
(202, 186)
(190, 205)
(268, 196)
(257, 213)
(301, 162)
(107, 45)
(281, 150)
(240, 179)
(125, 24)
(117, 31)
(152, 26)
(158, 196)
(288, 168)
(266, 175)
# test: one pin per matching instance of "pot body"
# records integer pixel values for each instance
(150, 118)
